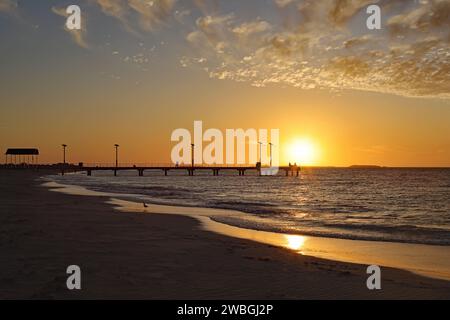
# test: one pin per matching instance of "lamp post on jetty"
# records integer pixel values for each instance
(270, 145)
(191, 171)
(192, 154)
(117, 158)
(260, 151)
(259, 163)
(64, 153)
(64, 158)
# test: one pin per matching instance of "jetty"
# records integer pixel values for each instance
(291, 170)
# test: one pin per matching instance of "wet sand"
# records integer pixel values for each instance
(155, 256)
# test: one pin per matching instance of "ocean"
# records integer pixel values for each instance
(409, 205)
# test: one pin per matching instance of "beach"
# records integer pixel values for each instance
(156, 256)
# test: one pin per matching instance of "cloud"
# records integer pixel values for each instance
(431, 15)
(283, 3)
(212, 26)
(212, 33)
(114, 8)
(309, 44)
(249, 28)
(78, 36)
(150, 14)
(8, 6)
(341, 11)
(357, 41)
(180, 15)
(411, 57)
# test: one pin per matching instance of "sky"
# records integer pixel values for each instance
(140, 69)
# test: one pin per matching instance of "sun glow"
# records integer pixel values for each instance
(302, 152)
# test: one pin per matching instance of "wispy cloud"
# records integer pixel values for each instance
(78, 36)
(8, 6)
(411, 57)
(315, 44)
(150, 14)
(283, 3)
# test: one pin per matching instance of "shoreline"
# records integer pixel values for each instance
(259, 217)
(160, 256)
(423, 259)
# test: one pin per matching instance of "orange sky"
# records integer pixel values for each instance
(350, 128)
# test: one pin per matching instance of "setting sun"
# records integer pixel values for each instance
(302, 152)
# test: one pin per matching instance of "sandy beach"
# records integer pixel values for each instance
(156, 256)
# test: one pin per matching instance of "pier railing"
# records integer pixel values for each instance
(151, 165)
(190, 169)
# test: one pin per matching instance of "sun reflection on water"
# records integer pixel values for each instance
(294, 242)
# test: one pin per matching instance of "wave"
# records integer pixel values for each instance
(310, 209)
(402, 234)
(275, 220)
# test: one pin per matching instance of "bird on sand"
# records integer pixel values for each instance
(145, 205)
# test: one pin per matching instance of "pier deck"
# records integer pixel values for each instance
(190, 170)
